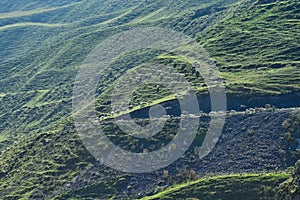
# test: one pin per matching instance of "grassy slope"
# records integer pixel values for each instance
(38, 67)
(235, 187)
(258, 48)
(54, 65)
(42, 48)
(39, 164)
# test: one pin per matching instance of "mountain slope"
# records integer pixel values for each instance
(42, 49)
(258, 49)
(43, 44)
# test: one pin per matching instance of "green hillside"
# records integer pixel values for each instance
(258, 49)
(42, 44)
(248, 186)
(42, 49)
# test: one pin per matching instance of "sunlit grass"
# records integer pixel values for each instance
(25, 24)
(219, 184)
(33, 12)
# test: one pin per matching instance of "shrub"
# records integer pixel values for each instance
(285, 124)
(250, 132)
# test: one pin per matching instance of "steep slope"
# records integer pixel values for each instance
(56, 164)
(43, 44)
(39, 68)
(258, 49)
(257, 53)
